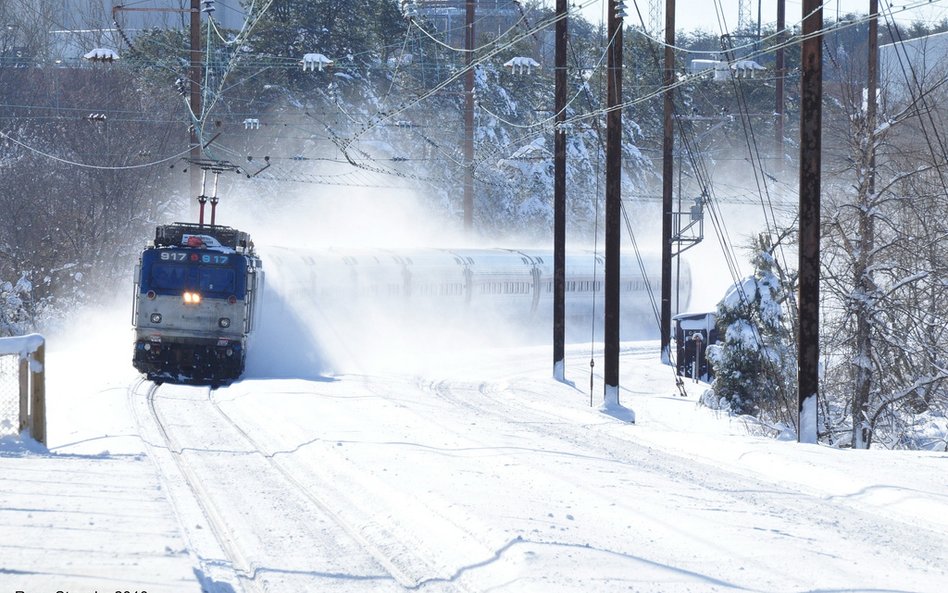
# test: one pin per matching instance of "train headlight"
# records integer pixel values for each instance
(191, 298)
(156, 317)
(151, 295)
(224, 322)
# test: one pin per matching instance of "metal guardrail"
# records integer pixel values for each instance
(23, 357)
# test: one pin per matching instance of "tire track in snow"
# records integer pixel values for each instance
(770, 504)
(261, 548)
(409, 569)
(222, 568)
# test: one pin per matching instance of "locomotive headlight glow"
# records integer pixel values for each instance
(191, 298)
(224, 322)
(156, 317)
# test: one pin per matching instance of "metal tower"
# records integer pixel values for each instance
(656, 24)
(744, 17)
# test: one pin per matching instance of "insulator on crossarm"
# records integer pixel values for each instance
(409, 8)
(208, 6)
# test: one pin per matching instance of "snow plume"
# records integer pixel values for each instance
(334, 298)
(332, 216)
(345, 310)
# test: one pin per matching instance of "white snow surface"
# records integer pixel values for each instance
(473, 472)
(22, 345)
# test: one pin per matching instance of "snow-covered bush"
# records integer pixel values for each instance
(15, 299)
(754, 361)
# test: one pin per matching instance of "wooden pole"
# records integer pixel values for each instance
(613, 203)
(194, 76)
(559, 198)
(873, 74)
(811, 96)
(781, 72)
(469, 120)
(24, 382)
(38, 395)
(668, 148)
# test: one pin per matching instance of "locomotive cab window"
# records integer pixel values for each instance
(170, 272)
(168, 276)
(177, 277)
(219, 280)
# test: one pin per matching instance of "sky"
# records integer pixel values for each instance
(707, 14)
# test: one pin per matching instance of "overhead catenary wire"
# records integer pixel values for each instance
(72, 163)
(539, 127)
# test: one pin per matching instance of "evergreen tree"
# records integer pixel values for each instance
(15, 300)
(754, 362)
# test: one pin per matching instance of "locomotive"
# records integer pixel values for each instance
(196, 293)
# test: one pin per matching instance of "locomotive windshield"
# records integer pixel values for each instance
(177, 277)
(171, 272)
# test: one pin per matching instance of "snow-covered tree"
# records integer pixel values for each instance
(15, 304)
(886, 303)
(754, 362)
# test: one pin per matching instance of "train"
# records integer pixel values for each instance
(196, 297)
(514, 286)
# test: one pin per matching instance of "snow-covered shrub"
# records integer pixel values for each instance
(15, 299)
(754, 362)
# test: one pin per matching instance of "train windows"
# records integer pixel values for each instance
(168, 276)
(216, 280)
(172, 277)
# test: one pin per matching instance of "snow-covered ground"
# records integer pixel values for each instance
(455, 468)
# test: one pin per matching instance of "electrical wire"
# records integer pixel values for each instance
(88, 166)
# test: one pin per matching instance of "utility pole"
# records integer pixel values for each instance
(811, 110)
(668, 147)
(873, 85)
(781, 72)
(613, 200)
(469, 120)
(194, 75)
(559, 198)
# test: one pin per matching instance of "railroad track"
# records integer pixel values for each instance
(229, 557)
(220, 561)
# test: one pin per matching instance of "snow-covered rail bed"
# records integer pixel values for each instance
(252, 524)
(502, 481)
